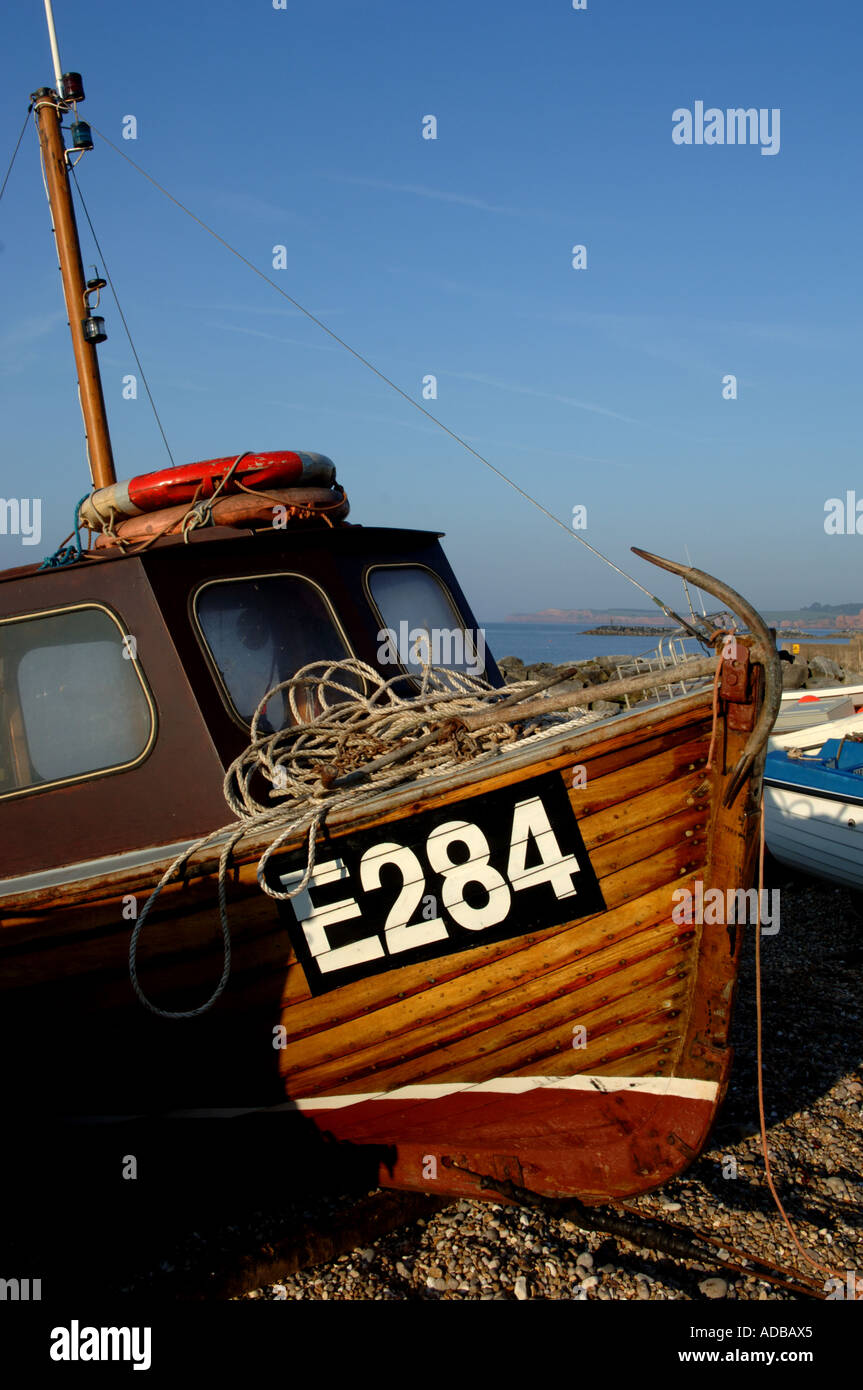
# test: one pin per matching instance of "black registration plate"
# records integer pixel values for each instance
(481, 870)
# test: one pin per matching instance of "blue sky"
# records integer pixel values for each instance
(452, 256)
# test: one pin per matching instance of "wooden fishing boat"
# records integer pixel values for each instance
(480, 973)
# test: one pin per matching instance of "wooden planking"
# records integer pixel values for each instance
(635, 1015)
(645, 808)
(659, 772)
(600, 750)
(169, 942)
(644, 829)
(193, 961)
(185, 921)
(497, 968)
(617, 1028)
(683, 833)
(644, 887)
(412, 1028)
(656, 774)
(646, 1059)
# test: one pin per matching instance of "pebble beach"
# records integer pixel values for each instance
(811, 992)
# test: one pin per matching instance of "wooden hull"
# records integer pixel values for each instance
(588, 1057)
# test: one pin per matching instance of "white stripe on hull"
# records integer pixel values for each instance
(519, 1085)
(683, 1087)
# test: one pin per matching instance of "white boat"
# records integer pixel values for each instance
(806, 709)
(813, 800)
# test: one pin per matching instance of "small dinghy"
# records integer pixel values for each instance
(813, 797)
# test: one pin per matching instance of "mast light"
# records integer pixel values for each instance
(82, 138)
(72, 86)
(94, 329)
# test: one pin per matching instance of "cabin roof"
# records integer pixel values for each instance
(339, 539)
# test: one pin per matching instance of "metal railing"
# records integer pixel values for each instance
(670, 652)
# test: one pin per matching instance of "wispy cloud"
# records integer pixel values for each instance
(241, 311)
(590, 406)
(395, 419)
(250, 205)
(543, 395)
(420, 190)
(479, 442)
(272, 337)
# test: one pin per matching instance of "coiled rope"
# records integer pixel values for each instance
(363, 738)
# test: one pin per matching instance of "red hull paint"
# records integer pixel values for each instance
(556, 1142)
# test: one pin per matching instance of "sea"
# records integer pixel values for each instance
(565, 642)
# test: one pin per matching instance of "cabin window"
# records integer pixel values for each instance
(259, 632)
(72, 701)
(421, 624)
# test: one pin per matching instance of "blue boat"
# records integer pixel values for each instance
(813, 801)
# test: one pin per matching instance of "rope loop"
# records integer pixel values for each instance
(346, 735)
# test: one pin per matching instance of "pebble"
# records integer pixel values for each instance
(520, 1288)
(713, 1288)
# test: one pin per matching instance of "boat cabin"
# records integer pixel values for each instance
(128, 682)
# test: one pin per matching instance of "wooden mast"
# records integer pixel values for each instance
(49, 106)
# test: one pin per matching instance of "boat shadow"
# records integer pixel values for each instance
(119, 1206)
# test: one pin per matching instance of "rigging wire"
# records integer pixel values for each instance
(15, 152)
(120, 311)
(669, 612)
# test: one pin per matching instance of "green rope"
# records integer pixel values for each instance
(67, 554)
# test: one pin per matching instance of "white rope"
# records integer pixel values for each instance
(364, 732)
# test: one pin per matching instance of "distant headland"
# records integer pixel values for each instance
(623, 622)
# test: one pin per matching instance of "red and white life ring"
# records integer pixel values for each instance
(151, 492)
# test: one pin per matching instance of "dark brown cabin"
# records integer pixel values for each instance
(127, 683)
